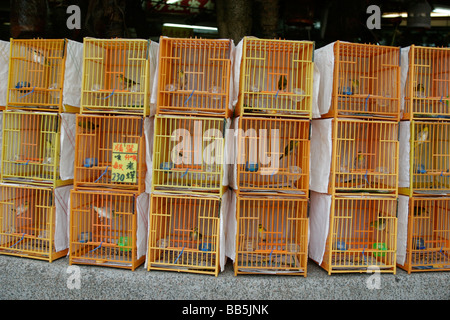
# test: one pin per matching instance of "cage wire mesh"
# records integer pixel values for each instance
(364, 157)
(276, 78)
(116, 76)
(427, 85)
(366, 82)
(36, 74)
(271, 235)
(273, 155)
(31, 148)
(194, 76)
(110, 153)
(27, 222)
(362, 235)
(428, 238)
(103, 229)
(188, 154)
(184, 233)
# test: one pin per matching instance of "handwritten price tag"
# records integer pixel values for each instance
(124, 165)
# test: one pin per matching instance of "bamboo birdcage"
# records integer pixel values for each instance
(31, 148)
(27, 222)
(428, 235)
(429, 158)
(273, 155)
(188, 154)
(110, 153)
(116, 76)
(276, 78)
(194, 76)
(184, 233)
(103, 229)
(427, 86)
(271, 235)
(362, 235)
(36, 75)
(366, 82)
(364, 157)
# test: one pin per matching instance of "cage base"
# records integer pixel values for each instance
(426, 261)
(105, 262)
(352, 267)
(35, 255)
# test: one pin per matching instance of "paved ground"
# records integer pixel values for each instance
(28, 279)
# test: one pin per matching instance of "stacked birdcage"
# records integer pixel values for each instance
(355, 152)
(189, 176)
(37, 146)
(425, 158)
(109, 202)
(271, 172)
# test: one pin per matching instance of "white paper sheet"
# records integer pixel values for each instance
(319, 224)
(321, 152)
(143, 212)
(149, 125)
(4, 69)
(67, 146)
(404, 68)
(153, 83)
(404, 154)
(324, 60)
(230, 223)
(73, 74)
(62, 217)
(402, 228)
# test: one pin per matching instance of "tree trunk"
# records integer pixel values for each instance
(268, 19)
(106, 18)
(28, 18)
(234, 18)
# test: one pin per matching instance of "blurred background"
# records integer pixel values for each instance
(402, 22)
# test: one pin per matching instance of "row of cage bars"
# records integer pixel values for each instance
(272, 162)
(362, 235)
(276, 78)
(364, 158)
(184, 233)
(427, 86)
(193, 94)
(31, 149)
(110, 154)
(428, 229)
(116, 76)
(426, 113)
(366, 82)
(36, 74)
(103, 229)
(27, 222)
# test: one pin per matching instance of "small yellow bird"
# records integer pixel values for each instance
(419, 90)
(22, 208)
(422, 136)
(195, 235)
(355, 86)
(282, 83)
(128, 82)
(289, 148)
(181, 79)
(360, 161)
(379, 224)
(262, 232)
